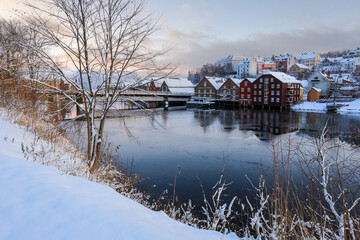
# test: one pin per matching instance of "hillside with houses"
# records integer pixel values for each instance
(279, 81)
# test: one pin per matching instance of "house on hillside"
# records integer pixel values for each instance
(266, 65)
(283, 63)
(357, 68)
(275, 89)
(247, 68)
(309, 60)
(314, 94)
(230, 63)
(349, 64)
(352, 53)
(208, 87)
(298, 70)
(229, 90)
(177, 85)
(246, 92)
(320, 81)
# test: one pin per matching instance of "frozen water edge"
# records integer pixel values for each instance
(352, 108)
(41, 202)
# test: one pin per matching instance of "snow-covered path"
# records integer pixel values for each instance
(40, 202)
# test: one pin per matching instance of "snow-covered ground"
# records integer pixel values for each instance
(352, 107)
(41, 202)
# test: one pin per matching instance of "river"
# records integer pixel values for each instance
(205, 143)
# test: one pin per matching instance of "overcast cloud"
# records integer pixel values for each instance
(193, 49)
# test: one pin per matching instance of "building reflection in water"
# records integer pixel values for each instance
(262, 123)
(267, 123)
(344, 127)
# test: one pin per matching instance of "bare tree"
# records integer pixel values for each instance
(333, 171)
(104, 42)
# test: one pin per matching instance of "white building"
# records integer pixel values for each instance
(309, 60)
(349, 64)
(232, 61)
(247, 69)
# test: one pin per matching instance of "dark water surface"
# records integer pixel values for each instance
(206, 142)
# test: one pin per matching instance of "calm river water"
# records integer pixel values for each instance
(205, 143)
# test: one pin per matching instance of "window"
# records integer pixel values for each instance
(242, 89)
(259, 99)
(242, 96)
(254, 99)
(271, 79)
(210, 91)
(255, 86)
(205, 84)
(278, 85)
(259, 92)
(233, 92)
(272, 93)
(266, 87)
(277, 93)
(224, 91)
(248, 96)
(266, 81)
(277, 100)
(255, 92)
(245, 83)
(261, 80)
(249, 89)
(260, 86)
(272, 99)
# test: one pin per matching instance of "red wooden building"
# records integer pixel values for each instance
(275, 89)
(246, 92)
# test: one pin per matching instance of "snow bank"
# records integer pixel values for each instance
(309, 107)
(40, 202)
(352, 108)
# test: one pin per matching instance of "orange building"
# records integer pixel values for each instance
(314, 94)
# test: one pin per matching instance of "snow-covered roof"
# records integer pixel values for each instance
(349, 88)
(181, 90)
(216, 81)
(237, 81)
(250, 79)
(301, 66)
(178, 83)
(352, 53)
(316, 89)
(282, 77)
(158, 83)
(304, 83)
(306, 56)
(284, 58)
(347, 60)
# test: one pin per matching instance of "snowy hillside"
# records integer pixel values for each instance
(40, 202)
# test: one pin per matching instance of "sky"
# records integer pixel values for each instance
(201, 31)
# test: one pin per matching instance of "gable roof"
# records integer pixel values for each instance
(301, 66)
(216, 82)
(283, 77)
(306, 56)
(316, 89)
(249, 79)
(237, 81)
(178, 83)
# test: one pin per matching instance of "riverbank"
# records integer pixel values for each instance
(42, 202)
(352, 107)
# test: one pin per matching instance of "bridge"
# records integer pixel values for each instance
(145, 99)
